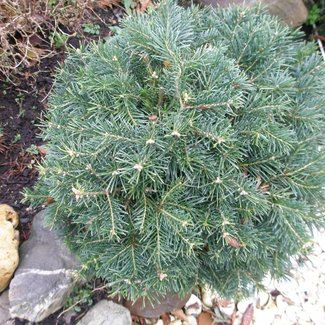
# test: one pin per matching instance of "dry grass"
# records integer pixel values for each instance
(26, 24)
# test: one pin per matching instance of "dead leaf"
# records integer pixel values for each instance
(205, 319)
(232, 241)
(6, 10)
(143, 5)
(167, 64)
(288, 300)
(34, 53)
(48, 201)
(274, 293)
(248, 315)
(42, 150)
(31, 53)
(223, 302)
(165, 318)
(179, 314)
(264, 187)
(35, 40)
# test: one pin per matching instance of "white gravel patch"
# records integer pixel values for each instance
(302, 299)
(298, 301)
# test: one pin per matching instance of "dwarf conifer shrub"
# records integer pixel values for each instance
(187, 149)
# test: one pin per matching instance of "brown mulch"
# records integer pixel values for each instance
(21, 108)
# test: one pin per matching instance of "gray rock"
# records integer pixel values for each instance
(45, 275)
(4, 309)
(166, 304)
(107, 313)
(292, 12)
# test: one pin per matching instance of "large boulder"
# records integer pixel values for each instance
(45, 276)
(292, 12)
(107, 313)
(9, 241)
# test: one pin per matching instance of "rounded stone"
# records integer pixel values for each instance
(169, 302)
(9, 241)
(106, 313)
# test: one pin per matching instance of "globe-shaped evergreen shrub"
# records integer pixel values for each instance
(187, 149)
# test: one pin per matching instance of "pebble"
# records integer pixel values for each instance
(238, 318)
(190, 320)
(228, 310)
(243, 304)
(24, 220)
(193, 306)
(281, 304)
(263, 299)
(208, 297)
(263, 317)
(176, 322)
(159, 322)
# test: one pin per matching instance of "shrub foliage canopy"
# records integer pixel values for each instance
(186, 149)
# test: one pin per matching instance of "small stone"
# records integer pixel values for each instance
(193, 306)
(176, 322)
(243, 304)
(190, 320)
(45, 276)
(281, 303)
(205, 319)
(227, 309)
(9, 241)
(159, 322)
(25, 220)
(179, 314)
(238, 318)
(208, 297)
(106, 313)
(264, 317)
(263, 299)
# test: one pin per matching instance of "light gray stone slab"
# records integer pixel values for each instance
(45, 275)
(107, 313)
